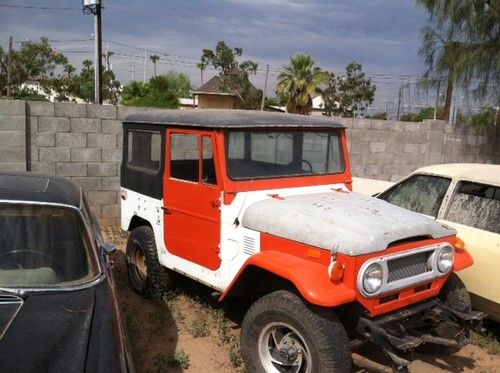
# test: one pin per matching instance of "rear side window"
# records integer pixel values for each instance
(419, 193)
(144, 150)
(476, 205)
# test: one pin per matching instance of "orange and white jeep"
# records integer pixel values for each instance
(259, 205)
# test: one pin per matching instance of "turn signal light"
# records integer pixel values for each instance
(459, 245)
(336, 271)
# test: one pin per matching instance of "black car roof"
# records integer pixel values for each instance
(216, 118)
(40, 188)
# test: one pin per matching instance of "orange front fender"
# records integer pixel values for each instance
(310, 278)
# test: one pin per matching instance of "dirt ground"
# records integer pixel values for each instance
(189, 331)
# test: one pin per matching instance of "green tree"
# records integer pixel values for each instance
(462, 40)
(300, 81)
(233, 74)
(161, 91)
(350, 94)
(34, 62)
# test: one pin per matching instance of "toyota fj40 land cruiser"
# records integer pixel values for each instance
(258, 205)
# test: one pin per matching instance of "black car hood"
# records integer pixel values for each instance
(72, 331)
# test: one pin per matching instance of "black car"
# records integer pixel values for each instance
(58, 303)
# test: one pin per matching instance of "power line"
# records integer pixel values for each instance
(37, 7)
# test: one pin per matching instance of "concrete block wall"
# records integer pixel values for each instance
(84, 143)
(389, 150)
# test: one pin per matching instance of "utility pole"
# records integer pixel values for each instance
(9, 67)
(399, 100)
(265, 89)
(133, 71)
(95, 7)
(145, 57)
(437, 99)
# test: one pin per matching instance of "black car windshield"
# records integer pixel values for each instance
(43, 246)
(284, 153)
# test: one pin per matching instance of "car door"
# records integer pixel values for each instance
(474, 211)
(192, 198)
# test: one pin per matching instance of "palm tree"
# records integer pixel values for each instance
(202, 66)
(154, 58)
(300, 81)
(69, 69)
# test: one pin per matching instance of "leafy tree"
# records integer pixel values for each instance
(380, 116)
(349, 95)
(161, 91)
(425, 113)
(233, 74)
(462, 40)
(34, 62)
(300, 81)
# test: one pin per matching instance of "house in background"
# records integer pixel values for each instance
(211, 96)
(318, 106)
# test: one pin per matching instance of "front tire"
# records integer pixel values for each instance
(281, 333)
(147, 276)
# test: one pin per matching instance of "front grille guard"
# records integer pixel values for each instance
(398, 341)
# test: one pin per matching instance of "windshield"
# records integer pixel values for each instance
(43, 246)
(287, 153)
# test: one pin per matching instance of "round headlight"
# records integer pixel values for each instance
(372, 278)
(445, 259)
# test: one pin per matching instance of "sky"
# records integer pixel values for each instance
(382, 35)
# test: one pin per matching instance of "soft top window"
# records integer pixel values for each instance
(283, 153)
(44, 247)
(144, 150)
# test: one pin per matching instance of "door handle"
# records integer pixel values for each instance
(166, 210)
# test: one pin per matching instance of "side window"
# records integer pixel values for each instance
(476, 205)
(184, 157)
(208, 167)
(419, 193)
(144, 150)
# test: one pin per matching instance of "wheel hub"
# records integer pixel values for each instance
(288, 353)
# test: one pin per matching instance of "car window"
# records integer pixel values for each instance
(144, 150)
(184, 156)
(44, 246)
(419, 193)
(476, 205)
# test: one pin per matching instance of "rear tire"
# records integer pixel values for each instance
(281, 330)
(147, 276)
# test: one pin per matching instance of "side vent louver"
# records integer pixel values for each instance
(248, 245)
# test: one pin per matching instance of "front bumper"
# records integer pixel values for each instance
(399, 333)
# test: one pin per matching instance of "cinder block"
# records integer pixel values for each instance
(53, 124)
(101, 111)
(12, 138)
(71, 169)
(13, 166)
(40, 108)
(71, 140)
(412, 127)
(85, 125)
(86, 155)
(12, 122)
(119, 141)
(411, 148)
(70, 110)
(46, 139)
(112, 126)
(112, 155)
(12, 107)
(54, 154)
(88, 183)
(44, 167)
(377, 147)
(391, 169)
(110, 211)
(111, 183)
(12, 154)
(103, 169)
(96, 140)
(99, 198)
(374, 170)
(379, 125)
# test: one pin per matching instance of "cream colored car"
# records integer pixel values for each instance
(467, 198)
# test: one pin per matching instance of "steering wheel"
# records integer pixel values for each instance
(18, 254)
(308, 164)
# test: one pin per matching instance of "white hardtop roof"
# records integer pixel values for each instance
(483, 173)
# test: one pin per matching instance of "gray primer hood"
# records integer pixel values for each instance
(346, 222)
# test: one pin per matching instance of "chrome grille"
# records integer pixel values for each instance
(407, 266)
